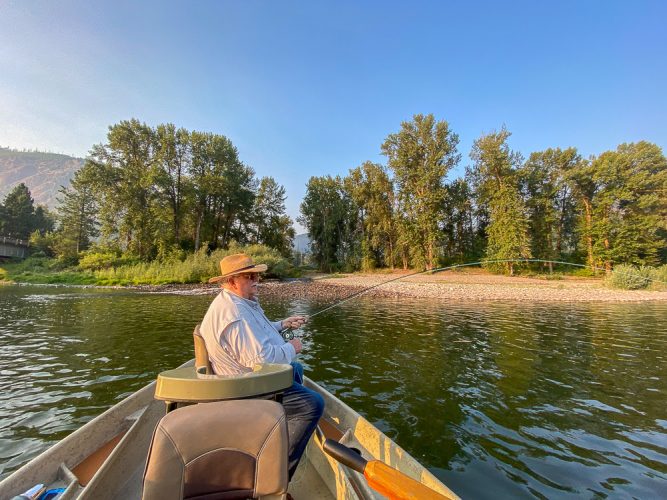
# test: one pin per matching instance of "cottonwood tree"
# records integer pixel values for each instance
(127, 170)
(173, 166)
(420, 155)
(629, 208)
(460, 239)
(328, 213)
(494, 174)
(223, 190)
(272, 226)
(550, 203)
(372, 191)
(77, 213)
(508, 230)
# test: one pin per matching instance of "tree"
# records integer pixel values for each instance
(550, 204)
(494, 176)
(508, 231)
(272, 225)
(19, 217)
(223, 190)
(420, 155)
(494, 164)
(372, 192)
(328, 214)
(629, 207)
(77, 213)
(580, 178)
(459, 221)
(173, 164)
(126, 166)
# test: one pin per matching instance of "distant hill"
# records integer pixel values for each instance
(43, 173)
(302, 243)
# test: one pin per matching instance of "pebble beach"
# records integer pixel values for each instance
(446, 285)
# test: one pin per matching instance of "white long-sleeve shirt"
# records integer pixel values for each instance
(238, 336)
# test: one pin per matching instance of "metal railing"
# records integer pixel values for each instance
(13, 241)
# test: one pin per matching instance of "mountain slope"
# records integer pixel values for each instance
(43, 173)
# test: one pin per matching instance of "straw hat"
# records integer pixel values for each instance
(239, 263)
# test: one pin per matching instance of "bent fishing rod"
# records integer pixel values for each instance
(289, 334)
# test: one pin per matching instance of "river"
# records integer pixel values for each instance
(497, 399)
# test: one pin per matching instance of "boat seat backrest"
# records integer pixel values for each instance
(221, 450)
(202, 363)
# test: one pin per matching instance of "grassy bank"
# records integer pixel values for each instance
(108, 269)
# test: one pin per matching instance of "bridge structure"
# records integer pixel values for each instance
(12, 247)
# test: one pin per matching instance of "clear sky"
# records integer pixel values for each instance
(307, 88)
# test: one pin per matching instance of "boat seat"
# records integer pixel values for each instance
(198, 384)
(202, 361)
(223, 450)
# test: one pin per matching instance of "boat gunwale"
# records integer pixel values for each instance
(68, 452)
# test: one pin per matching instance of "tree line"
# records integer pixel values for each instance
(555, 205)
(151, 192)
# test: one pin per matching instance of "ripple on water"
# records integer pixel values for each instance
(500, 400)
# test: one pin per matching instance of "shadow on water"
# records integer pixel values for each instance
(497, 399)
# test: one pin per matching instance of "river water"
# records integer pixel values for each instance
(496, 399)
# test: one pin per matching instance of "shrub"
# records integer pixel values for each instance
(584, 272)
(196, 268)
(94, 260)
(659, 278)
(629, 277)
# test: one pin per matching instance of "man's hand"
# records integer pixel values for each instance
(296, 343)
(294, 322)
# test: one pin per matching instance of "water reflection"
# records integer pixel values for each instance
(497, 399)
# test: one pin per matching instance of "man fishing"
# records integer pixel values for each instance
(238, 336)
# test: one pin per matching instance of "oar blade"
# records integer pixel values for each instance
(395, 485)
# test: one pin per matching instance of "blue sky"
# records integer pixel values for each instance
(313, 87)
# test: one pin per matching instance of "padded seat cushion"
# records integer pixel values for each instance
(220, 450)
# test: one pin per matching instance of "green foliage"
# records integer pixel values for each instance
(155, 194)
(495, 178)
(584, 272)
(508, 235)
(329, 214)
(550, 203)
(77, 213)
(19, 217)
(461, 241)
(196, 268)
(420, 155)
(42, 244)
(272, 227)
(629, 277)
(659, 278)
(45, 270)
(624, 207)
(372, 192)
(153, 190)
(95, 260)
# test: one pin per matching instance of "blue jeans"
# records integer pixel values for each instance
(303, 409)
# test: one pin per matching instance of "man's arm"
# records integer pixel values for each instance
(294, 322)
(251, 348)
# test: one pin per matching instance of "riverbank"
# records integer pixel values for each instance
(477, 285)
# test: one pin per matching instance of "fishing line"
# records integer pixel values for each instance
(289, 334)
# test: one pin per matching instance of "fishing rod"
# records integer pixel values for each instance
(289, 334)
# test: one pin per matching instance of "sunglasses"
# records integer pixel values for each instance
(251, 276)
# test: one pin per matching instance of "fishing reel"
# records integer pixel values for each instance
(288, 335)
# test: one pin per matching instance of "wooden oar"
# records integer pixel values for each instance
(384, 479)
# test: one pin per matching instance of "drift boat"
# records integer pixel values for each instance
(106, 458)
